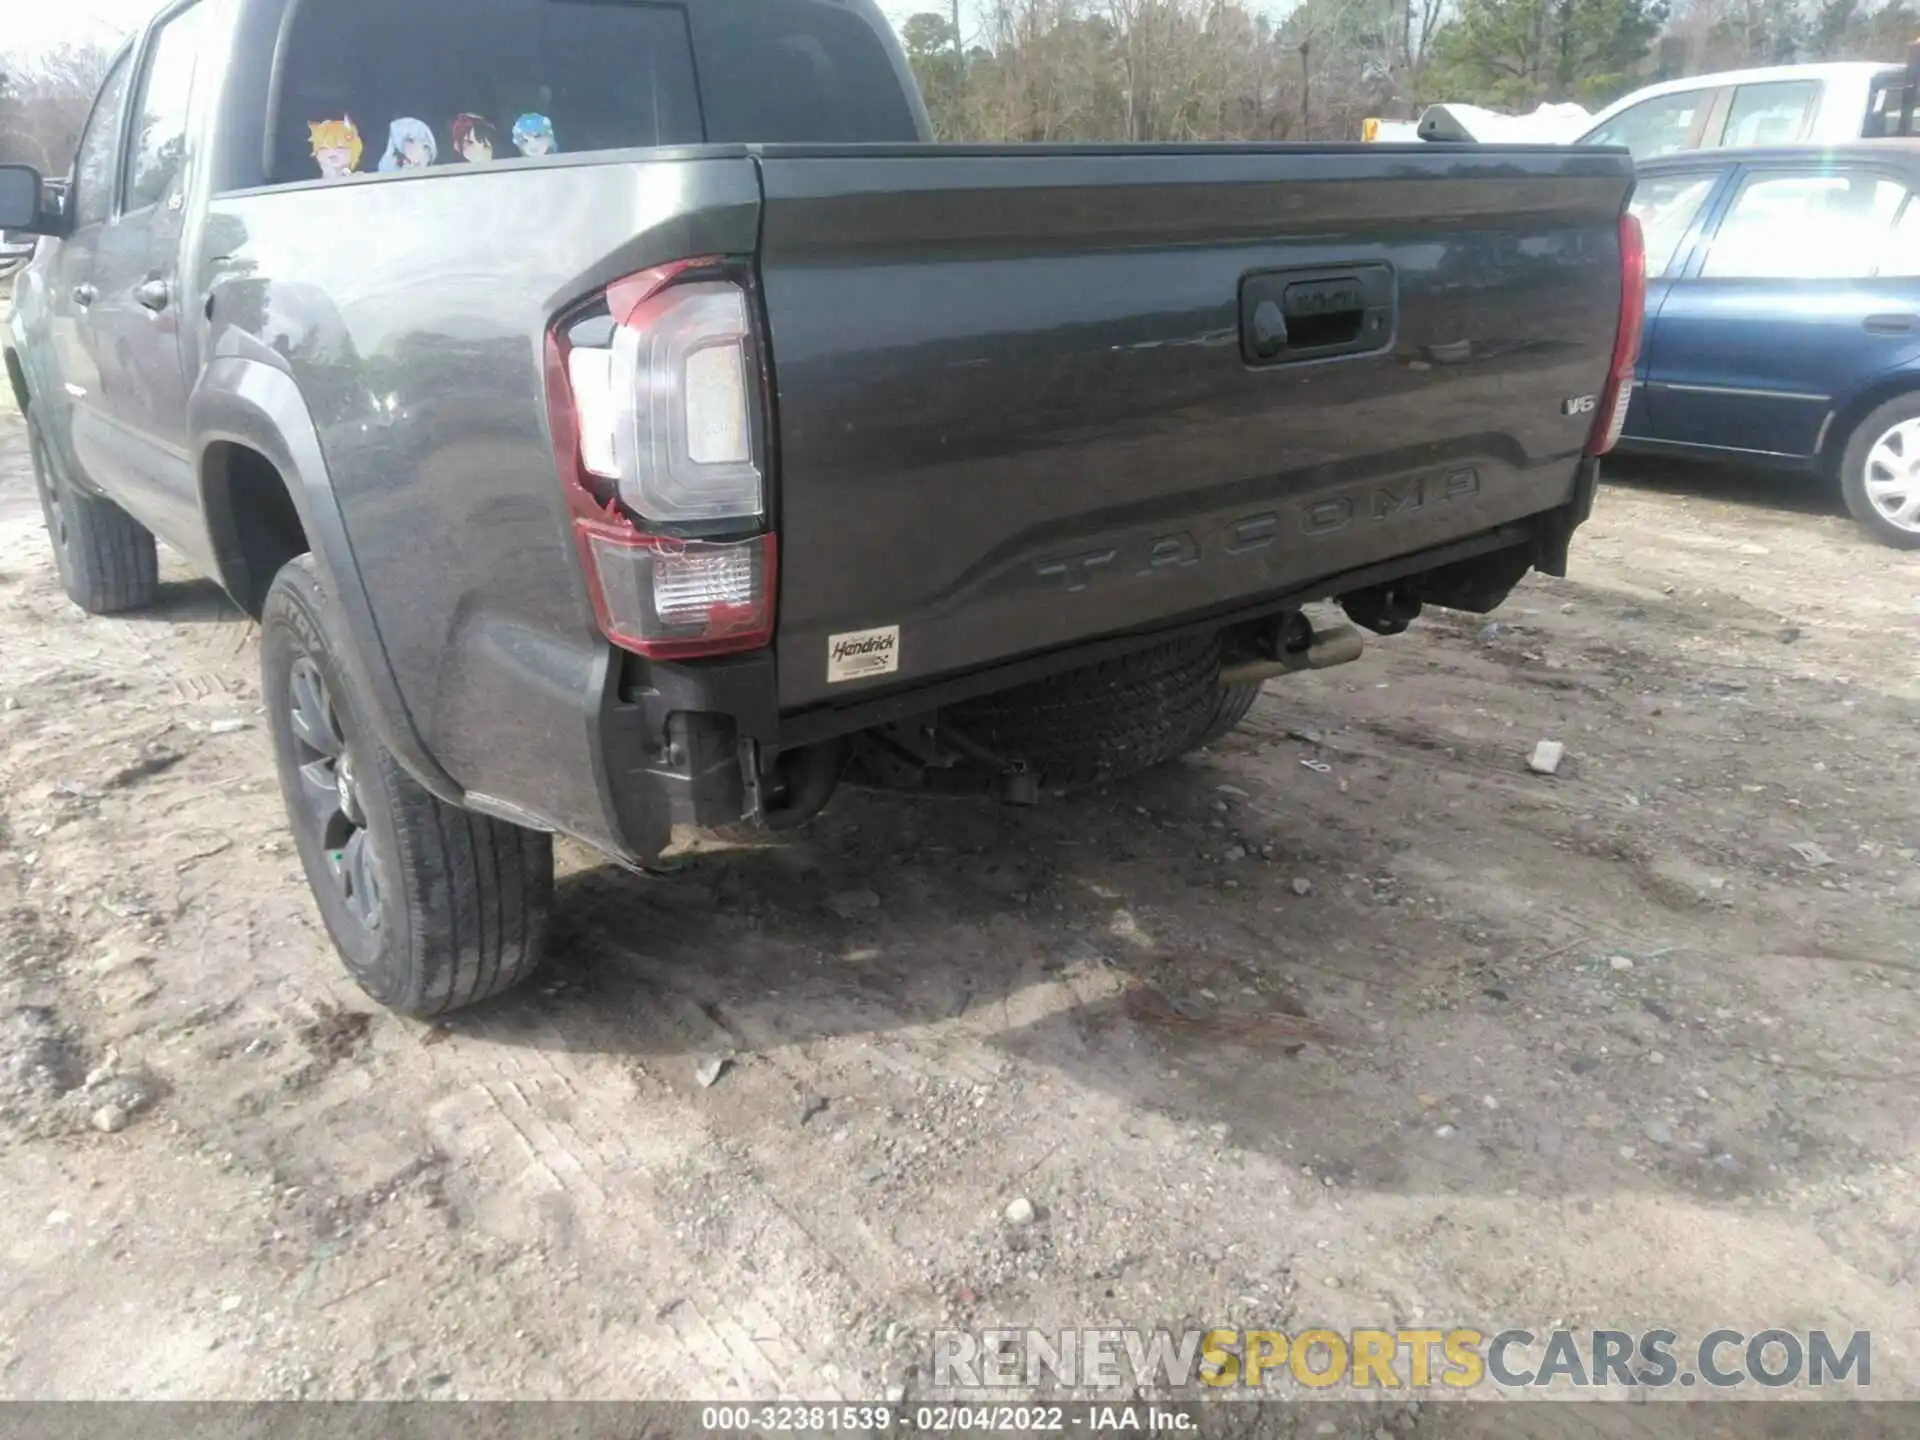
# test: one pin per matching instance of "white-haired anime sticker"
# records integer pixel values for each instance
(410, 144)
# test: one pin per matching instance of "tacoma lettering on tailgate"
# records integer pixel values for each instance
(1379, 503)
(1391, 500)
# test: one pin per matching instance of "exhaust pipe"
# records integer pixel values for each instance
(1336, 645)
(799, 783)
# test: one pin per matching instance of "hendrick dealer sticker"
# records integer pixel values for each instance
(859, 653)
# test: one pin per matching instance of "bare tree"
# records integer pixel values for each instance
(44, 99)
(1177, 70)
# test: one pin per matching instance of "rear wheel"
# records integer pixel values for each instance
(106, 559)
(431, 907)
(1112, 719)
(1235, 702)
(1880, 473)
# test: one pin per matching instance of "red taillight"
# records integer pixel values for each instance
(672, 599)
(654, 401)
(1612, 413)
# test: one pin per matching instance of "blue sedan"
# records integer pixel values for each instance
(1783, 318)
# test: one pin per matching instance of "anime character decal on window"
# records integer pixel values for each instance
(336, 146)
(472, 138)
(533, 135)
(410, 144)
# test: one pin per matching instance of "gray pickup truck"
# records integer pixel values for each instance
(620, 417)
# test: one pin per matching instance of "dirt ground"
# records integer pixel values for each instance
(1350, 1021)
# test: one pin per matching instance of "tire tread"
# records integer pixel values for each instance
(117, 565)
(476, 891)
(111, 562)
(1105, 721)
(1235, 702)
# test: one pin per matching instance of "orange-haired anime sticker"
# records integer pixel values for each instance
(336, 146)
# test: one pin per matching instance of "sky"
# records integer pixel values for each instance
(32, 25)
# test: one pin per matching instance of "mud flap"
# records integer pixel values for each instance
(1557, 526)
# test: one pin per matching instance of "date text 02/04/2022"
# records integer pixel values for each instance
(944, 1419)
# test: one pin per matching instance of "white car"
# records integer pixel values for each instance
(1780, 105)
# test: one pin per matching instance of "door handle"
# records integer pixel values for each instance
(83, 295)
(154, 294)
(1888, 324)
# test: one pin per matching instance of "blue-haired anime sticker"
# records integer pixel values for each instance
(409, 143)
(533, 135)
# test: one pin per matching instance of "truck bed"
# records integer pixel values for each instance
(1014, 411)
(1010, 412)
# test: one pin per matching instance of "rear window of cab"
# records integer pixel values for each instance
(386, 85)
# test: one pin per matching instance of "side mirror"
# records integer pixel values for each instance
(20, 202)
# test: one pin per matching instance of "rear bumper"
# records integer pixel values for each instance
(676, 744)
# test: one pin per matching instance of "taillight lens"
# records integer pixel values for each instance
(655, 398)
(674, 599)
(1611, 416)
(670, 421)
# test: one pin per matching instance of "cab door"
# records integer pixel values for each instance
(66, 407)
(1672, 208)
(137, 312)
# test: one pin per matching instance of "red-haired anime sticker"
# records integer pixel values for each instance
(336, 146)
(473, 138)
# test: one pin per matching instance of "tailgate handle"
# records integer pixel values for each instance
(1287, 316)
(1323, 312)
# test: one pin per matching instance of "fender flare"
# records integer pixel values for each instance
(17, 337)
(246, 402)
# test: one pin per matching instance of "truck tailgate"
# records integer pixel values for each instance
(1014, 411)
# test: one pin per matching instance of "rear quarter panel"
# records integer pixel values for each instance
(412, 313)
